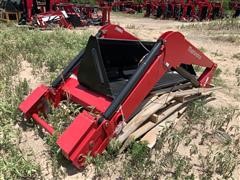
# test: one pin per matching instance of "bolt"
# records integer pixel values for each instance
(91, 144)
(167, 64)
(106, 124)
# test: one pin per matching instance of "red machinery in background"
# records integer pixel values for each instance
(51, 18)
(127, 6)
(32, 7)
(184, 10)
(65, 14)
(110, 79)
(85, 14)
(235, 6)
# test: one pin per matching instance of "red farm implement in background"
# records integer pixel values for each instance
(235, 6)
(61, 13)
(184, 10)
(109, 79)
(72, 15)
(127, 6)
(82, 14)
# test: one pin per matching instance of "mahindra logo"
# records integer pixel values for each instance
(193, 52)
(119, 29)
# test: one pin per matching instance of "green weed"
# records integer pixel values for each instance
(13, 164)
(138, 162)
(130, 26)
(227, 38)
(237, 73)
(236, 56)
(202, 49)
(227, 24)
(47, 52)
(217, 80)
(50, 50)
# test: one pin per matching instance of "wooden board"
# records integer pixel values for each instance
(172, 89)
(149, 125)
(143, 124)
(151, 136)
(142, 116)
(158, 109)
(195, 91)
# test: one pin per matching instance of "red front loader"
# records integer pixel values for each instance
(113, 75)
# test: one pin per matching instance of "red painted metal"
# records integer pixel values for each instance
(83, 96)
(43, 123)
(156, 70)
(84, 14)
(75, 133)
(106, 14)
(57, 17)
(127, 6)
(33, 102)
(111, 31)
(235, 6)
(28, 6)
(85, 136)
(184, 10)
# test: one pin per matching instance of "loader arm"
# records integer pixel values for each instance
(162, 58)
(148, 62)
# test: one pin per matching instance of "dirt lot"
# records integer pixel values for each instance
(222, 46)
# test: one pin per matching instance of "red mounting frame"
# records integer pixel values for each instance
(85, 136)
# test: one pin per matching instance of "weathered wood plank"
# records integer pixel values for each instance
(171, 89)
(143, 115)
(151, 136)
(170, 111)
(195, 91)
(144, 129)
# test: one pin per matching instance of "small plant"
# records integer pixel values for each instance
(138, 161)
(225, 162)
(237, 73)
(138, 152)
(206, 166)
(228, 24)
(174, 141)
(100, 164)
(224, 24)
(216, 54)
(197, 113)
(202, 49)
(113, 148)
(221, 118)
(198, 68)
(62, 116)
(236, 56)
(130, 26)
(101, 161)
(216, 78)
(13, 164)
(187, 141)
(181, 166)
(50, 51)
(193, 149)
(226, 38)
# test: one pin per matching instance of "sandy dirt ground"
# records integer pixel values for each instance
(150, 29)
